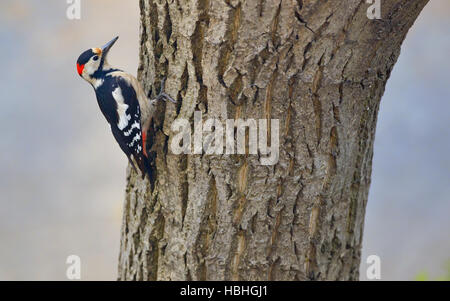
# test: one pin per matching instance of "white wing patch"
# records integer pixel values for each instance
(121, 109)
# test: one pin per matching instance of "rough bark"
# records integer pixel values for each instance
(320, 67)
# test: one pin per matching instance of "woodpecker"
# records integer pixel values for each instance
(122, 101)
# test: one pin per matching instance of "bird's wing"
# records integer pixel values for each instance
(127, 126)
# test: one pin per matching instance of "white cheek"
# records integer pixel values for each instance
(90, 69)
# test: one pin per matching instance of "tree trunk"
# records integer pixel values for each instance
(320, 67)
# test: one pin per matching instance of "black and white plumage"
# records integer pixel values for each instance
(118, 102)
(123, 103)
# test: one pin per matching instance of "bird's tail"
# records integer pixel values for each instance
(144, 166)
(146, 169)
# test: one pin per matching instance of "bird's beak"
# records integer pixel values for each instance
(108, 46)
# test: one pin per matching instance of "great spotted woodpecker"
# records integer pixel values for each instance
(123, 102)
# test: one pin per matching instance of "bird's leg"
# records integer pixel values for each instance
(163, 95)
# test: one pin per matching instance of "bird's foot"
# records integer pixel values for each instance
(163, 95)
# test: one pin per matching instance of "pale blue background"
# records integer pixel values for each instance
(62, 176)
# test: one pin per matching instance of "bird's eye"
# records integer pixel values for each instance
(95, 58)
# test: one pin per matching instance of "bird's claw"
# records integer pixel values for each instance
(163, 95)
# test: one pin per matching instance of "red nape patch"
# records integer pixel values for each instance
(80, 68)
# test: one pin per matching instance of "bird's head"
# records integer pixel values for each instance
(93, 61)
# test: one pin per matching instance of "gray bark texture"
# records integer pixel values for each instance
(318, 66)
